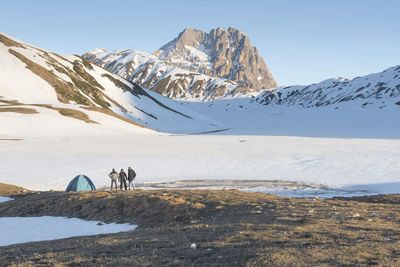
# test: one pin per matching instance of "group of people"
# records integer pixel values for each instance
(122, 178)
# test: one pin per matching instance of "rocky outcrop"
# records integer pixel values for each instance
(379, 90)
(148, 71)
(196, 65)
(219, 53)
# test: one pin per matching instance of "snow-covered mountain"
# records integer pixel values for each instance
(43, 93)
(70, 93)
(379, 89)
(224, 53)
(195, 65)
(148, 71)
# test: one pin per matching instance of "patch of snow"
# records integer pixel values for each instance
(16, 230)
(4, 199)
(199, 55)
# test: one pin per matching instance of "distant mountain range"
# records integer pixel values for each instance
(379, 89)
(196, 64)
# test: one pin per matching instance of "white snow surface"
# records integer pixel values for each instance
(130, 64)
(371, 165)
(19, 83)
(4, 199)
(16, 230)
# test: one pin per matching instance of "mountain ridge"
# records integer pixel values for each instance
(71, 93)
(229, 53)
(378, 89)
(191, 66)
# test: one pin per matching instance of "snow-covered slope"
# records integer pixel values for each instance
(379, 89)
(43, 93)
(365, 107)
(148, 71)
(195, 65)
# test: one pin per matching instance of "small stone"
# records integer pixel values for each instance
(356, 215)
(193, 246)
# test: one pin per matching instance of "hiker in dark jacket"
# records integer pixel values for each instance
(113, 176)
(122, 179)
(131, 178)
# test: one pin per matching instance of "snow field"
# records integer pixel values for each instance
(44, 164)
(16, 230)
(4, 199)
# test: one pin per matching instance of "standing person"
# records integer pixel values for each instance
(122, 179)
(113, 176)
(131, 178)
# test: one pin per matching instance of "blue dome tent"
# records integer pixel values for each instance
(80, 183)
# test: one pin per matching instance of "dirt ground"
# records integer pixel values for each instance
(229, 228)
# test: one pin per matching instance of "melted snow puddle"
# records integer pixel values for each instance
(16, 230)
(277, 187)
(4, 199)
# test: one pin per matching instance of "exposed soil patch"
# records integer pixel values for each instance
(9, 190)
(19, 110)
(10, 102)
(117, 82)
(73, 113)
(229, 228)
(9, 42)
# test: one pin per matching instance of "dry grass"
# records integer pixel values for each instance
(72, 113)
(8, 42)
(78, 68)
(117, 82)
(10, 102)
(86, 62)
(18, 110)
(9, 190)
(230, 228)
(66, 92)
(75, 114)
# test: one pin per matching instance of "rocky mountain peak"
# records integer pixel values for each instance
(190, 37)
(223, 53)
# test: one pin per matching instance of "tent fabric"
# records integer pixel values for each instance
(80, 183)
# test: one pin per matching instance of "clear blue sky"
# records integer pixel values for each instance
(302, 42)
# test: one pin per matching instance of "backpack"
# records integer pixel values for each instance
(130, 178)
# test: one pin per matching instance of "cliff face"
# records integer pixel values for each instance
(220, 53)
(148, 71)
(195, 65)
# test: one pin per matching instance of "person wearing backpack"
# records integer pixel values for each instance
(131, 178)
(113, 176)
(122, 179)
